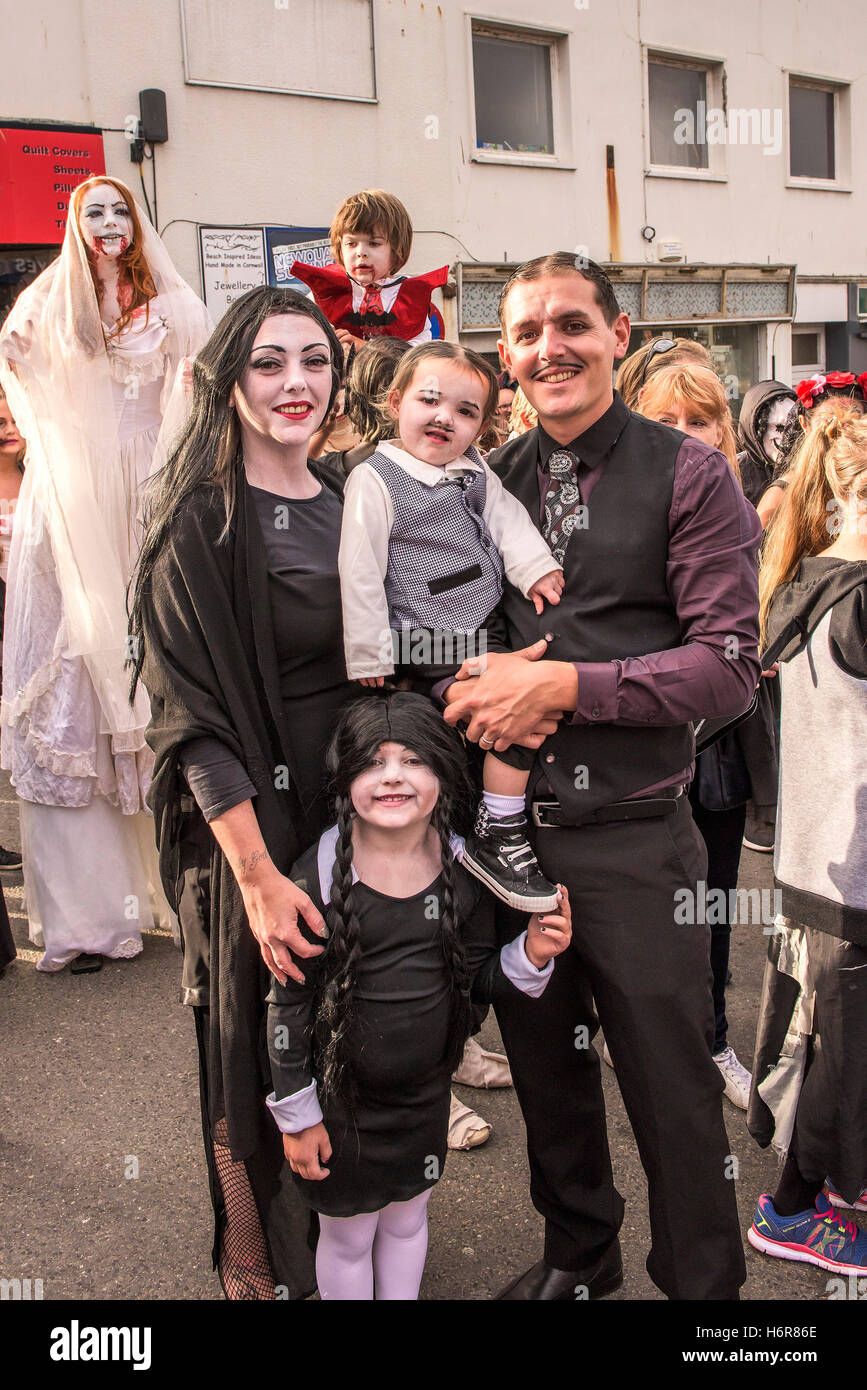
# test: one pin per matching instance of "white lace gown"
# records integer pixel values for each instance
(90, 864)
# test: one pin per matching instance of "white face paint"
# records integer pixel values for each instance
(773, 435)
(105, 221)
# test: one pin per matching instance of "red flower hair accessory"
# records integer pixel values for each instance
(861, 381)
(809, 389)
(840, 379)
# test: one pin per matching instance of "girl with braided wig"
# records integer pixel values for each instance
(362, 1051)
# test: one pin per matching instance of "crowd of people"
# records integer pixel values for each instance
(435, 688)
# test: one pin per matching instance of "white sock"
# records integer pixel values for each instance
(503, 806)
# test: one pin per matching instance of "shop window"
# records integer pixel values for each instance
(733, 349)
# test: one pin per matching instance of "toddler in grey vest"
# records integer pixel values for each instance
(428, 535)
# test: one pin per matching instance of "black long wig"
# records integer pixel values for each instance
(209, 448)
(364, 726)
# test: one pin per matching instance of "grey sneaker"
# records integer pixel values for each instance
(499, 854)
(759, 834)
(736, 1078)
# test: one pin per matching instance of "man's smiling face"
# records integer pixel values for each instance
(560, 347)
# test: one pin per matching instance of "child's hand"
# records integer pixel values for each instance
(307, 1151)
(549, 587)
(347, 340)
(374, 681)
(549, 933)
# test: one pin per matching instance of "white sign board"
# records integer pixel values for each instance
(233, 261)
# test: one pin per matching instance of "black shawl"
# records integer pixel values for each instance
(210, 667)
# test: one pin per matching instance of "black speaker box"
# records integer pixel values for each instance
(154, 122)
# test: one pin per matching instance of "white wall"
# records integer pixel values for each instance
(239, 156)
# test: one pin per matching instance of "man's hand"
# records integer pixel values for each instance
(549, 587)
(513, 697)
(307, 1151)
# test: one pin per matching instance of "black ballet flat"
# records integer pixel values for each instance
(85, 964)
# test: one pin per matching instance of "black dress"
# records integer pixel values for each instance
(390, 1144)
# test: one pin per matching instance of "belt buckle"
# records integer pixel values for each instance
(539, 807)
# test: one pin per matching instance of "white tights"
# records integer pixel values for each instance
(383, 1248)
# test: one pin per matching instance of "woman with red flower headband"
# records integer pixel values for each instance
(813, 393)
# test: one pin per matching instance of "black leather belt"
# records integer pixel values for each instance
(550, 815)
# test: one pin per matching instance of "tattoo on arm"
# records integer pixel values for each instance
(249, 862)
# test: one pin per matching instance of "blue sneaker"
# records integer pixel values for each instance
(820, 1237)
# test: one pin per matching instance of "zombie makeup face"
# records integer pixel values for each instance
(773, 433)
(105, 221)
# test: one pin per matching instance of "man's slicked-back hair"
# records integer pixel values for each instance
(562, 263)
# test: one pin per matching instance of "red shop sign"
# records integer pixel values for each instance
(39, 168)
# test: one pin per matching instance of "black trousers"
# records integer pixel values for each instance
(723, 833)
(649, 974)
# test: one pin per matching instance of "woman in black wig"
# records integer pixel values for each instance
(237, 635)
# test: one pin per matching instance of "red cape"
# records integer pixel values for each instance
(332, 290)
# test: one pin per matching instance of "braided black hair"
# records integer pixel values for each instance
(364, 726)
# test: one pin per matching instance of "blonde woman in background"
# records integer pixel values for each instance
(809, 1098)
(643, 364)
(690, 397)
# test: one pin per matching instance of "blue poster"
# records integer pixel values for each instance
(288, 244)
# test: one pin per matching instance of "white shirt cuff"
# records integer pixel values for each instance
(298, 1111)
(518, 968)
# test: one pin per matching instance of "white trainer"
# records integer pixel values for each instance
(738, 1080)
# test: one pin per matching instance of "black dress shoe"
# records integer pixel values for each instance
(544, 1284)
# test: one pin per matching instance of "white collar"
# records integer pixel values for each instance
(385, 284)
(427, 472)
(327, 853)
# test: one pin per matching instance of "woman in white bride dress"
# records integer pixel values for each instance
(91, 358)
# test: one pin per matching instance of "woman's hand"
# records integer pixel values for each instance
(374, 681)
(549, 933)
(307, 1151)
(273, 904)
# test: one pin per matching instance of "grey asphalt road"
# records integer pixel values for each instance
(103, 1192)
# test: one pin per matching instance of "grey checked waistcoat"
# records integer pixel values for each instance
(444, 571)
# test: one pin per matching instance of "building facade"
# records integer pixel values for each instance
(708, 155)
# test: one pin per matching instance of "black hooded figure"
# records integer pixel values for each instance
(757, 468)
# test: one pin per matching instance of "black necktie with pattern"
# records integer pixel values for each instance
(562, 501)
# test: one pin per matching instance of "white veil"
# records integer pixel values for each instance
(55, 370)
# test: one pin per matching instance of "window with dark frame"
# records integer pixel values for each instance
(512, 80)
(806, 348)
(674, 89)
(811, 132)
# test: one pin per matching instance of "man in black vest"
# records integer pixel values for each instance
(657, 627)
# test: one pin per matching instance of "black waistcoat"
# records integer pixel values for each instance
(615, 604)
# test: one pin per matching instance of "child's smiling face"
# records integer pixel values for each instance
(441, 412)
(367, 257)
(397, 790)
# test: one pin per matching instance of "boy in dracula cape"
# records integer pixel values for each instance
(364, 295)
